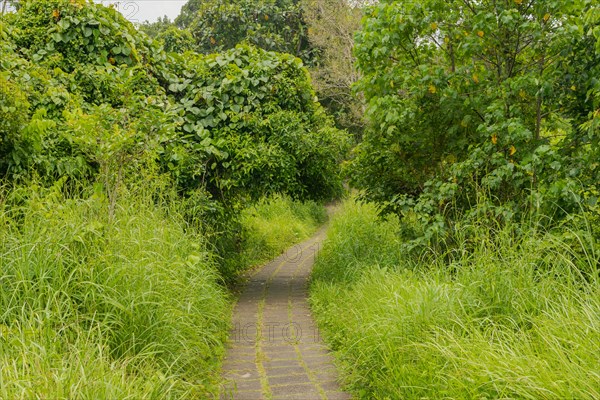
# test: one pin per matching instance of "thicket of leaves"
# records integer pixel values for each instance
(84, 94)
(480, 108)
(276, 25)
(319, 32)
(250, 125)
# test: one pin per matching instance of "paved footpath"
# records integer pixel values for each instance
(275, 351)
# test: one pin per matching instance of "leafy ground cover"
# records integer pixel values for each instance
(508, 316)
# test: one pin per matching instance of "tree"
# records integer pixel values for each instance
(275, 25)
(251, 126)
(467, 98)
(173, 38)
(332, 25)
(153, 29)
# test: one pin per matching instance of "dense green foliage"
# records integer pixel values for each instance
(317, 31)
(176, 40)
(165, 32)
(84, 69)
(512, 316)
(76, 61)
(471, 100)
(251, 124)
(219, 25)
(67, 34)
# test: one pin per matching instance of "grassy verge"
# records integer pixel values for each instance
(93, 308)
(515, 317)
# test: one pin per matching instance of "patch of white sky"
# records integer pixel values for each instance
(146, 10)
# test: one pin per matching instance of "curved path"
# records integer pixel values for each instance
(275, 351)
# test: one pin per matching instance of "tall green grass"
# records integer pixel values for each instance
(514, 316)
(275, 223)
(97, 308)
(126, 306)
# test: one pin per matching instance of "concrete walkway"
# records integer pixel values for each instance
(275, 351)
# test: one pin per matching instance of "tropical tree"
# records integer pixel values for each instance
(153, 29)
(332, 25)
(469, 98)
(219, 25)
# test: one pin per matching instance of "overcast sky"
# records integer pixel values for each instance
(151, 10)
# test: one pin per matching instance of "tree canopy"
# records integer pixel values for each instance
(471, 102)
(275, 25)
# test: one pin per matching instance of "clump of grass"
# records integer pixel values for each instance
(369, 241)
(40, 362)
(106, 308)
(275, 223)
(513, 317)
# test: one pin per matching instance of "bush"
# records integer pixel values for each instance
(251, 126)
(66, 34)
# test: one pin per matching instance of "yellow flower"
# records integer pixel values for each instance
(434, 26)
(494, 138)
(432, 89)
(546, 17)
(56, 14)
(475, 78)
(480, 34)
(266, 17)
(518, 1)
(513, 150)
